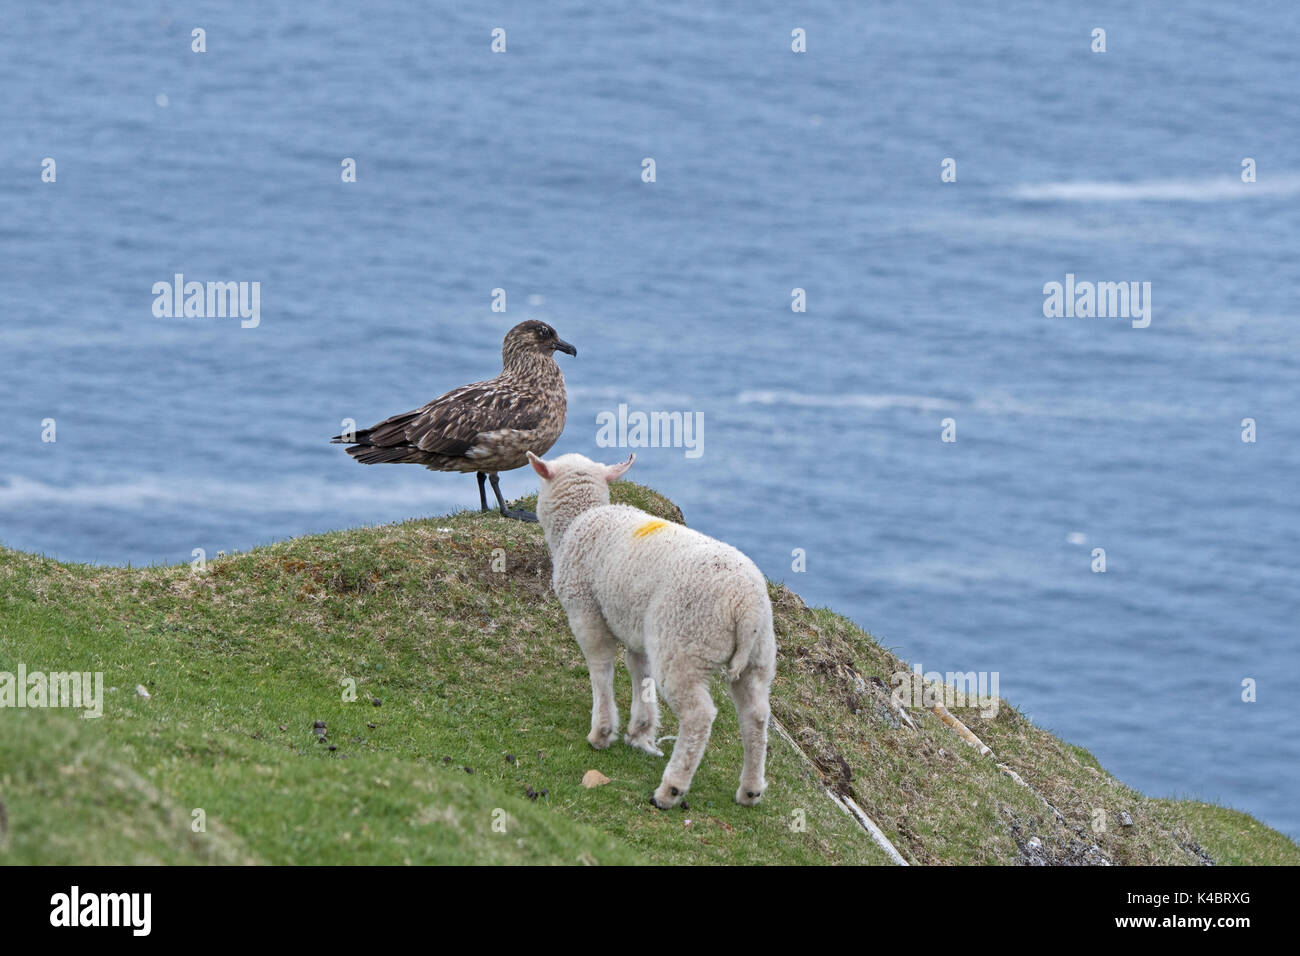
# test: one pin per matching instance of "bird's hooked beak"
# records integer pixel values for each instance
(563, 346)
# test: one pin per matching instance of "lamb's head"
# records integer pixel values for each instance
(571, 484)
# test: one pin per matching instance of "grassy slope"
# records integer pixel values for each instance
(484, 699)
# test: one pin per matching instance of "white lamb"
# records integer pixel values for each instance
(684, 606)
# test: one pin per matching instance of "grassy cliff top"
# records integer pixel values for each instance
(466, 740)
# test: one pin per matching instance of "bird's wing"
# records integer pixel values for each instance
(450, 425)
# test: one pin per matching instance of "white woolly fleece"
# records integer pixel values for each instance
(683, 604)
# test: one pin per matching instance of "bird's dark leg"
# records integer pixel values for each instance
(519, 514)
(482, 491)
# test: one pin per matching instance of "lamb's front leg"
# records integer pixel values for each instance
(643, 724)
(599, 648)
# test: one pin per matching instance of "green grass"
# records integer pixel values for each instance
(478, 747)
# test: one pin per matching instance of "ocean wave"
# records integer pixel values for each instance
(994, 404)
(613, 395)
(1218, 189)
(277, 497)
(922, 403)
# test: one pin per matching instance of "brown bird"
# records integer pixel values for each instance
(484, 427)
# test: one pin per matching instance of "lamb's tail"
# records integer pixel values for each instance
(753, 626)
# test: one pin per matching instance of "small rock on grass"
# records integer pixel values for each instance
(594, 778)
(141, 692)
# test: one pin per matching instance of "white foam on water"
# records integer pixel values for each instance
(1090, 408)
(923, 403)
(1219, 189)
(995, 404)
(290, 495)
(612, 395)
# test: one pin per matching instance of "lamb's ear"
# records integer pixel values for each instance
(616, 471)
(539, 466)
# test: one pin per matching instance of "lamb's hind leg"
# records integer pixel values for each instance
(750, 694)
(600, 648)
(643, 724)
(688, 696)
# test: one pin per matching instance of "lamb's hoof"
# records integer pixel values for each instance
(519, 514)
(747, 798)
(602, 737)
(666, 797)
(645, 744)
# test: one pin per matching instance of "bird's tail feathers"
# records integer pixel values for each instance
(358, 438)
(380, 454)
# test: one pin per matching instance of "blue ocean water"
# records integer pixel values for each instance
(775, 170)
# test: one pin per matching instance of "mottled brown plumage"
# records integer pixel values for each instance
(484, 427)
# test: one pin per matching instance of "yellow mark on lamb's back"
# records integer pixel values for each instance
(650, 527)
